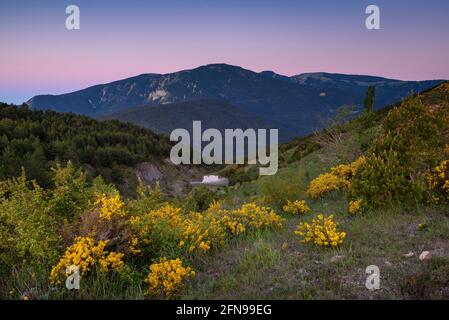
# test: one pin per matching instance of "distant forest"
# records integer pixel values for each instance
(37, 140)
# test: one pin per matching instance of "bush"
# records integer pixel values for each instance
(86, 254)
(28, 229)
(275, 190)
(70, 195)
(148, 198)
(296, 207)
(413, 141)
(322, 232)
(339, 178)
(438, 180)
(158, 231)
(167, 277)
(199, 199)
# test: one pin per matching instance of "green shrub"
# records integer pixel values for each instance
(28, 229)
(412, 142)
(70, 195)
(276, 191)
(199, 199)
(148, 198)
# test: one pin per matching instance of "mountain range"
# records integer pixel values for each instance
(224, 95)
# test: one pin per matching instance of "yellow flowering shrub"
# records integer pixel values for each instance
(133, 245)
(250, 216)
(355, 206)
(324, 183)
(296, 207)
(201, 231)
(158, 229)
(322, 232)
(339, 178)
(167, 277)
(110, 206)
(113, 261)
(85, 253)
(169, 213)
(438, 179)
(167, 228)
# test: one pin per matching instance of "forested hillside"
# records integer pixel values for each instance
(36, 140)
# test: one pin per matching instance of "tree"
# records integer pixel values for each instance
(369, 99)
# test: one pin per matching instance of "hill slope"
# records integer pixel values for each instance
(278, 265)
(212, 114)
(120, 152)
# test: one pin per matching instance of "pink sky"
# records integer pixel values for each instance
(41, 56)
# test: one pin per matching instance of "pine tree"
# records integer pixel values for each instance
(369, 99)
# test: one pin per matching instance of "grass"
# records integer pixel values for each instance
(261, 266)
(276, 265)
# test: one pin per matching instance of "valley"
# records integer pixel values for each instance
(338, 204)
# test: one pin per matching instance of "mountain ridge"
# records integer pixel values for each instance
(298, 104)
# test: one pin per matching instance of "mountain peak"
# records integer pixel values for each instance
(294, 104)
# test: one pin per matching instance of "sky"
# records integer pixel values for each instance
(120, 39)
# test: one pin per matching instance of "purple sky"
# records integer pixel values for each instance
(119, 39)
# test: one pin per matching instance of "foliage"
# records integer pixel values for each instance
(322, 232)
(110, 206)
(167, 277)
(70, 195)
(159, 230)
(201, 232)
(296, 207)
(275, 190)
(412, 142)
(36, 140)
(369, 99)
(148, 198)
(339, 178)
(167, 229)
(324, 183)
(199, 199)
(86, 253)
(438, 180)
(249, 216)
(28, 228)
(296, 149)
(355, 206)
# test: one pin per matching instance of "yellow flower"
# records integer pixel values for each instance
(204, 246)
(84, 254)
(167, 277)
(296, 207)
(250, 216)
(354, 206)
(322, 231)
(438, 180)
(110, 206)
(284, 246)
(339, 178)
